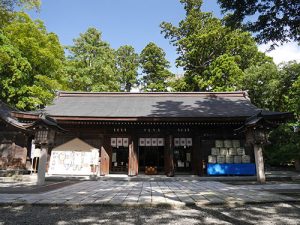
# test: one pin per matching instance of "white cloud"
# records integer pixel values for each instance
(284, 53)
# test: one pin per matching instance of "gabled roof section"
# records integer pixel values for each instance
(5, 115)
(152, 105)
(45, 121)
(75, 144)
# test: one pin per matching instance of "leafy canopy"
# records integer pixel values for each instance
(91, 65)
(127, 62)
(31, 61)
(269, 20)
(7, 8)
(155, 68)
(275, 87)
(212, 55)
(284, 148)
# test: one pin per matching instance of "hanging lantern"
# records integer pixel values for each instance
(260, 136)
(44, 135)
(256, 135)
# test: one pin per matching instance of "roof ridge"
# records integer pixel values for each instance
(95, 94)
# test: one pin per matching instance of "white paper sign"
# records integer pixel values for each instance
(113, 142)
(188, 157)
(32, 149)
(114, 157)
(182, 142)
(119, 142)
(160, 141)
(70, 162)
(189, 142)
(153, 141)
(95, 157)
(125, 142)
(176, 142)
(36, 152)
(142, 142)
(180, 164)
(148, 141)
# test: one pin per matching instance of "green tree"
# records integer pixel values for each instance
(127, 62)
(275, 21)
(7, 8)
(212, 55)
(262, 83)
(284, 148)
(274, 87)
(155, 68)
(31, 65)
(91, 65)
(291, 87)
(277, 88)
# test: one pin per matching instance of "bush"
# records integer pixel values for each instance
(284, 149)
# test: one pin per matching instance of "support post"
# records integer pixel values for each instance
(259, 161)
(104, 162)
(169, 162)
(133, 158)
(42, 165)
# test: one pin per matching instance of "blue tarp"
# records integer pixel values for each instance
(231, 169)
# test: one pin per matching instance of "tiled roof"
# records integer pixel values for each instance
(153, 105)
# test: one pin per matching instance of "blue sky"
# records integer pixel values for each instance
(132, 22)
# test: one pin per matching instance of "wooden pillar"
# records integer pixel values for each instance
(42, 165)
(133, 165)
(105, 160)
(259, 161)
(169, 162)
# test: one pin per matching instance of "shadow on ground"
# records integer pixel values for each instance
(30, 188)
(280, 213)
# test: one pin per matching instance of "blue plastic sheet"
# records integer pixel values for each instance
(231, 169)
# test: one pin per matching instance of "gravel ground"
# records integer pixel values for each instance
(279, 213)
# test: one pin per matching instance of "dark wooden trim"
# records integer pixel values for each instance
(128, 119)
(154, 94)
(24, 115)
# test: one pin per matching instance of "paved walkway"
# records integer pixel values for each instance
(178, 193)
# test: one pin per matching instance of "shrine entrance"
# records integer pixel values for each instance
(120, 155)
(151, 155)
(182, 155)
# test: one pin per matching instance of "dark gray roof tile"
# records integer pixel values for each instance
(123, 105)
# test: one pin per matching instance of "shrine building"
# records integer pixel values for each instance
(199, 133)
